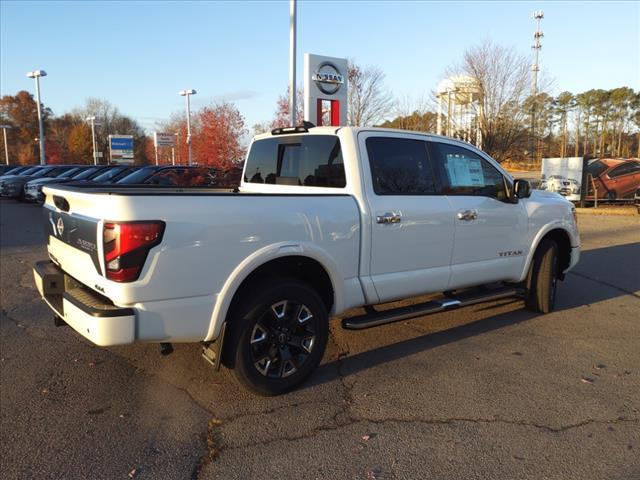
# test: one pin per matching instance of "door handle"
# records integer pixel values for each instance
(468, 215)
(387, 218)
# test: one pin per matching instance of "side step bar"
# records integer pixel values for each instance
(464, 299)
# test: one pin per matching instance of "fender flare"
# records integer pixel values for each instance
(259, 258)
(557, 225)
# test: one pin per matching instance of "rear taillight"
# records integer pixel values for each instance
(126, 246)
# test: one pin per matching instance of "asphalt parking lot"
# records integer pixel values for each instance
(492, 391)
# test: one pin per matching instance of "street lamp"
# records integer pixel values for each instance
(188, 93)
(6, 148)
(94, 124)
(37, 74)
(173, 148)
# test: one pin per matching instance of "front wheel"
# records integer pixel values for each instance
(280, 335)
(542, 280)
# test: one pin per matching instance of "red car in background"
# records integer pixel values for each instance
(614, 179)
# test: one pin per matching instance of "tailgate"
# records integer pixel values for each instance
(74, 230)
(73, 234)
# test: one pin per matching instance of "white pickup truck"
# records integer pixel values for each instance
(326, 219)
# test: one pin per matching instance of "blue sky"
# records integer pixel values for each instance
(138, 55)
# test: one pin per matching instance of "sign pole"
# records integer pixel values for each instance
(292, 61)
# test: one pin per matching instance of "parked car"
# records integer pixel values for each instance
(562, 185)
(13, 185)
(325, 220)
(172, 176)
(33, 188)
(614, 179)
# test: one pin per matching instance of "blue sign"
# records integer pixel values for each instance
(122, 143)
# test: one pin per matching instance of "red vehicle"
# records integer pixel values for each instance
(614, 179)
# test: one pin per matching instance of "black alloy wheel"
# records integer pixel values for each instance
(278, 336)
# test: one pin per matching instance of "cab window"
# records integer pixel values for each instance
(299, 160)
(463, 172)
(400, 166)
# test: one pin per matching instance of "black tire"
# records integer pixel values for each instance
(542, 280)
(611, 195)
(279, 333)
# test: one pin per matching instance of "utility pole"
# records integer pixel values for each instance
(538, 15)
(292, 61)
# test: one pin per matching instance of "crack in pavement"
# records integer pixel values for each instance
(446, 421)
(214, 449)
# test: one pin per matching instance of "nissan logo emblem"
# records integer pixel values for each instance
(328, 78)
(60, 226)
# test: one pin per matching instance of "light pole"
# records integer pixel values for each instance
(6, 148)
(37, 74)
(173, 148)
(94, 124)
(188, 93)
(292, 62)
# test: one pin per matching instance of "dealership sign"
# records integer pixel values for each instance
(325, 90)
(121, 148)
(328, 78)
(164, 139)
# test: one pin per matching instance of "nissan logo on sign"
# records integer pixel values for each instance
(60, 226)
(328, 78)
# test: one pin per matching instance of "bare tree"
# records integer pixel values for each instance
(412, 113)
(369, 101)
(503, 78)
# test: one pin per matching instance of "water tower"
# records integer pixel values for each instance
(460, 97)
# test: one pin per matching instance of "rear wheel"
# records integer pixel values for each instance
(611, 195)
(542, 280)
(279, 336)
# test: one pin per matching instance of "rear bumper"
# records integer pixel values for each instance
(91, 315)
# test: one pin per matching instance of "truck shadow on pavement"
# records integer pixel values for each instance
(602, 274)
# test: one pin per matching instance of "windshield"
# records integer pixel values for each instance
(596, 168)
(85, 173)
(42, 172)
(70, 173)
(54, 172)
(109, 174)
(137, 177)
(15, 170)
(30, 171)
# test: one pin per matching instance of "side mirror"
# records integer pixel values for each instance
(522, 188)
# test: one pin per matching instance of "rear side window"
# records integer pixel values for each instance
(625, 169)
(400, 166)
(463, 172)
(307, 160)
